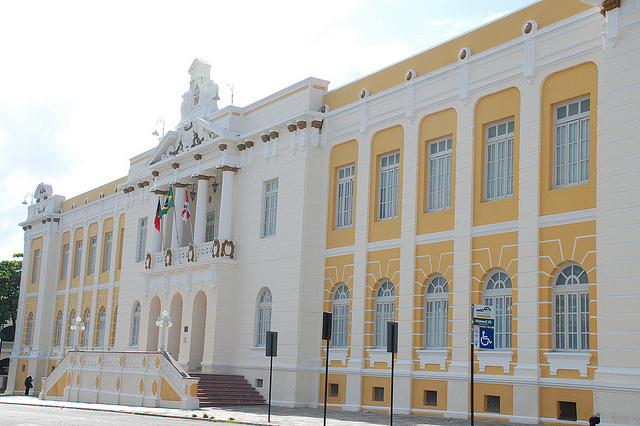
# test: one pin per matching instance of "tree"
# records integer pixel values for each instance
(10, 272)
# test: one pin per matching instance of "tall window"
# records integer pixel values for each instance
(209, 227)
(264, 317)
(84, 336)
(101, 325)
(499, 160)
(497, 293)
(436, 312)
(92, 255)
(65, 262)
(571, 142)
(108, 244)
(388, 194)
(57, 331)
(71, 334)
(36, 266)
(439, 180)
(385, 311)
(135, 324)
(340, 309)
(29, 336)
(270, 208)
(142, 239)
(344, 201)
(571, 309)
(78, 264)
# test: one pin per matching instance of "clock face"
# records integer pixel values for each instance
(196, 95)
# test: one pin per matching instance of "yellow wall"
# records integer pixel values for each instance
(341, 381)
(505, 392)
(433, 127)
(549, 398)
(114, 316)
(368, 383)
(107, 228)
(545, 12)
(491, 108)
(564, 86)
(339, 270)
(384, 142)
(418, 389)
(431, 260)
(119, 247)
(78, 235)
(558, 245)
(93, 194)
(341, 155)
(73, 306)
(93, 233)
(23, 372)
(66, 238)
(31, 306)
(32, 287)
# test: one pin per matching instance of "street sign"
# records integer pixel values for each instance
(485, 340)
(482, 311)
(484, 322)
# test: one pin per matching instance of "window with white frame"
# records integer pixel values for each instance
(571, 142)
(71, 334)
(270, 208)
(439, 175)
(264, 317)
(84, 336)
(142, 239)
(57, 331)
(78, 265)
(497, 293)
(385, 308)
(65, 262)
(436, 313)
(210, 227)
(135, 324)
(29, 336)
(388, 186)
(340, 317)
(499, 160)
(344, 196)
(92, 254)
(571, 309)
(36, 266)
(108, 244)
(101, 324)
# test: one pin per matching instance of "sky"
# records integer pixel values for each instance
(83, 83)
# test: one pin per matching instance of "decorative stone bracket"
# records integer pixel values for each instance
(226, 249)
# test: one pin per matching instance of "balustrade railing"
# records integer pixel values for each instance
(193, 253)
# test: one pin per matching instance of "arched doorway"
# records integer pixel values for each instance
(198, 325)
(152, 328)
(175, 311)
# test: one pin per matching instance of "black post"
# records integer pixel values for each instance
(392, 346)
(471, 362)
(270, 380)
(327, 318)
(271, 350)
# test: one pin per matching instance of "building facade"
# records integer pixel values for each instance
(496, 168)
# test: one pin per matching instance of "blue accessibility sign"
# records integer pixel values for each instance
(485, 338)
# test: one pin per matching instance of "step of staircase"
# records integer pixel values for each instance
(225, 390)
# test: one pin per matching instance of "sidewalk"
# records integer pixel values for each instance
(257, 415)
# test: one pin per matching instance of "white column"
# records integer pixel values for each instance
(156, 235)
(178, 224)
(201, 209)
(226, 202)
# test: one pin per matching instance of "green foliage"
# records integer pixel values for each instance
(10, 271)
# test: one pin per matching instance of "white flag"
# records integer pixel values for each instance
(186, 211)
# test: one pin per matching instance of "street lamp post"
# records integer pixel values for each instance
(164, 321)
(77, 326)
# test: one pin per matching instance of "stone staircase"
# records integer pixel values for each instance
(225, 390)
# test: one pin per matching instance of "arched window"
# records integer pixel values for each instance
(571, 309)
(135, 324)
(436, 313)
(497, 293)
(340, 309)
(29, 335)
(57, 331)
(102, 323)
(264, 317)
(84, 337)
(385, 311)
(71, 334)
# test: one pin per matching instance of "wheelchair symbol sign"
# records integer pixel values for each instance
(485, 338)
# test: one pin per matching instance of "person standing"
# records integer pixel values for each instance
(28, 384)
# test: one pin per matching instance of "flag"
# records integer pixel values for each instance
(156, 221)
(168, 203)
(186, 211)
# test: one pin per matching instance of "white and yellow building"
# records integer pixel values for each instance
(497, 168)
